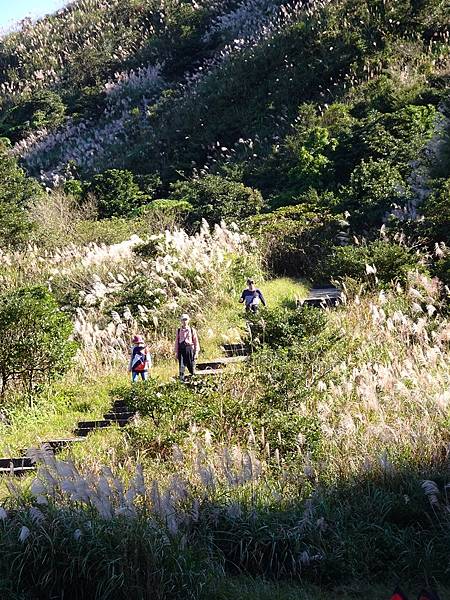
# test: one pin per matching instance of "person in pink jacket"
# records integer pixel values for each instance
(187, 346)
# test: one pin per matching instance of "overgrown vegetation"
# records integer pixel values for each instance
(155, 155)
(34, 336)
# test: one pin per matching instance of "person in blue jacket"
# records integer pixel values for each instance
(252, 297)
(140, 360)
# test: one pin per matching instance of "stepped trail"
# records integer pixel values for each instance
(120, 414)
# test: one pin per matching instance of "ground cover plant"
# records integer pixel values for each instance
(154, 155)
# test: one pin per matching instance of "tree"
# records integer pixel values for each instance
(436, 210)
(17, 193)
(43, 109)
(375, 185)
(35, 343)
(117, 193)
(215, 198)
(398, 137)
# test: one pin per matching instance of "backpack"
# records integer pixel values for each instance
(192, 333)
(139, 359)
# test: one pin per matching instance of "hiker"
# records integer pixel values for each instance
(141, 359)
(252, 296)
(187, 347)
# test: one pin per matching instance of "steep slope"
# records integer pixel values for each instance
(326, 106)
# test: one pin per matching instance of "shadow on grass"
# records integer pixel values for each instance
(380, 530)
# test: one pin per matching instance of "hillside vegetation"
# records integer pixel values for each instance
(153, 155)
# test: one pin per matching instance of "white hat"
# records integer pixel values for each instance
(184, 317)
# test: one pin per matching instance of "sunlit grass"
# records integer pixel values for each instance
(284, 288)
(226, 324)
(55, 414)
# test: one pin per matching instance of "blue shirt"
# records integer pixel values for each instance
(249, 295)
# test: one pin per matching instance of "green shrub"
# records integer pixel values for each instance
(375, 185)
(169, 410)
(34, 338)
(391, 260)
(295, 239)
(117, 193)
(146, 222)
(215, 198)
(139, 291)
(166, 214)
(44, 109)
(284, 326)
(436, 210)
(75, 188)
(17, 193)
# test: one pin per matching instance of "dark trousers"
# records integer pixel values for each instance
(186, 359)
(251, 308)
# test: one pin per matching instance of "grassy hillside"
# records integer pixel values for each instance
(227, 110)
(153, 155)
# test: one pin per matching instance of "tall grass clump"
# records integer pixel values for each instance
(113, 290)
(83, 548)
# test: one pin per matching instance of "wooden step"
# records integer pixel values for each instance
(15, 463)
(236, 349)
(17, 471)
(85, 427)
(209, 373)
(209, 366)
(93, 424)
(119, 406)
(119, 416)
(59, 444)
(16, 466)
(324, 296)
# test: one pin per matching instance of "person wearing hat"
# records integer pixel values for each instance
(141, 359)
(252, 296)
(187, 346)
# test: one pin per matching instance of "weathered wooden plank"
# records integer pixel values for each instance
(15, 463)
(236, 349)
(17, 471)
(324, 296)
(59, 444)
